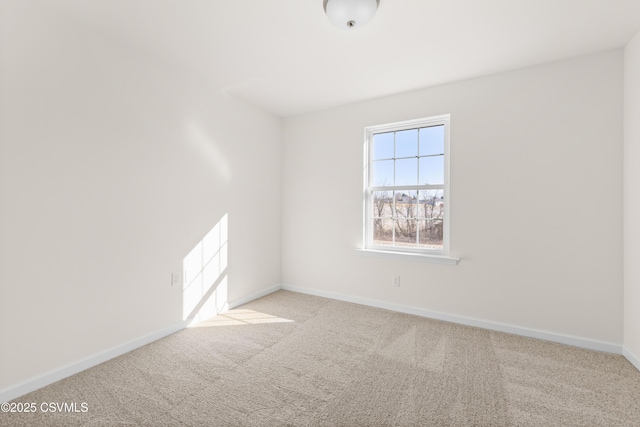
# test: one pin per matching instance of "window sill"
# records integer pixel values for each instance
(438, 259)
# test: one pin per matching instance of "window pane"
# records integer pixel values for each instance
(431, 232)
(431, 214)
(407, 172)
(382, 203)
(383, 146)
(407, 143)
(382, 173)
(382, 232)
(406, 202)
(406, 210)
(406, 232)
(432, 140)
(432, 170)
(431, 204)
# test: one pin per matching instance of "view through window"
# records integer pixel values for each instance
(407, 186)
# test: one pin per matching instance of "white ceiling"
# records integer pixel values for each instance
(285, 57)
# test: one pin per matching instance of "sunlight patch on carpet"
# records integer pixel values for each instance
(241, 317)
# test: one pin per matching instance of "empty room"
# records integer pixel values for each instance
(320, 212)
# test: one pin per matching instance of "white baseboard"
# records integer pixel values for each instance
(86, 363)
(494, 326)
(33, 384)
(238, 302)
(635, 361)
(73, 368)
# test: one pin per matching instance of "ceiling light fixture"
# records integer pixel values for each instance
(350, 14)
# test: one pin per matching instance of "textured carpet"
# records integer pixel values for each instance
(296, 360)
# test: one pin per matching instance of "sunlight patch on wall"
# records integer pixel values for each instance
(204, 275)
(240, 317)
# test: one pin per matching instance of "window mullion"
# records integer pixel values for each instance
(408, 187)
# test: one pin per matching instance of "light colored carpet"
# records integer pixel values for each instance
(296, 360)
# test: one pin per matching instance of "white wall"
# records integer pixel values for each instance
(536, 206)
(632, 200)
(112, 167)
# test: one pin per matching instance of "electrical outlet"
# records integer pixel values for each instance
(174, 279)
(395, 281)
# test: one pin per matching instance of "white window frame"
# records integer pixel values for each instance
(369, 248)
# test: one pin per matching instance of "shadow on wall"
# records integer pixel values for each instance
(204, 293)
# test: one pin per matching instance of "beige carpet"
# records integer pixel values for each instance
(295, 360)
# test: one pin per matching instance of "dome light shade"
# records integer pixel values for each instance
(350, 14)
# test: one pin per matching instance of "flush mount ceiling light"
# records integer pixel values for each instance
(350, 14)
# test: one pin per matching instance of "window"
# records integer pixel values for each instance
(407, 187)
